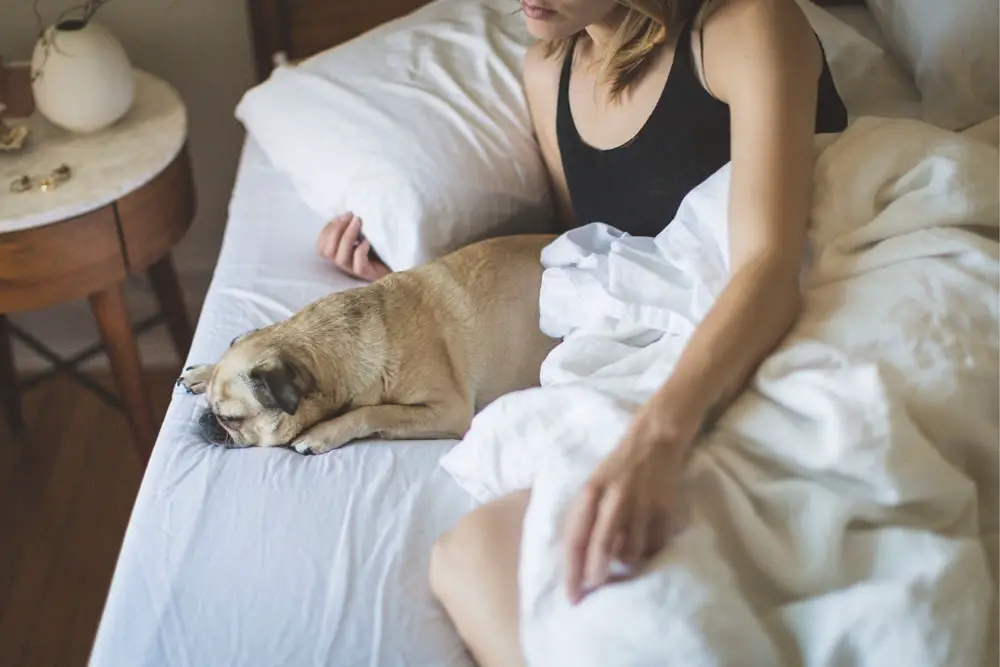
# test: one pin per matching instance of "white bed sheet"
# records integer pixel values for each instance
(870, 77)
(264, 557)
(861, 19)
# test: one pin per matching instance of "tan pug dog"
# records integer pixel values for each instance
(411, 356)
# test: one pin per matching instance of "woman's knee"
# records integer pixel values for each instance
(485, 539)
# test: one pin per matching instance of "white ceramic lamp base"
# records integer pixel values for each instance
(82, 78)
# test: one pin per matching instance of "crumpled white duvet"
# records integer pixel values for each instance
(844, 511)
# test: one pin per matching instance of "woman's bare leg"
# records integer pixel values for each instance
(474, 575)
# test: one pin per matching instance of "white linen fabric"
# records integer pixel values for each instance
(871, 80)
(264, 557)
(844, 510)
(861, 19)
(952, 49)
(419, 126)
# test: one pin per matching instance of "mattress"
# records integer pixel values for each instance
(265, 557)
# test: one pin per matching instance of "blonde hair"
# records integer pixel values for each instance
(648, 25)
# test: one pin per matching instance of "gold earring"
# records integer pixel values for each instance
(22, 184)
(59, 175)
(62, 172)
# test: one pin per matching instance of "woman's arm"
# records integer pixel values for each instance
(763, 60)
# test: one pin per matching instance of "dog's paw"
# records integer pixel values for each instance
(194, 379)
(303, 447)
(311, 446)
(322, 438)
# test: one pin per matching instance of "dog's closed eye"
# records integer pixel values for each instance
(230, 421)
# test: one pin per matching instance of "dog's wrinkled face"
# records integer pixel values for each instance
(258, 394)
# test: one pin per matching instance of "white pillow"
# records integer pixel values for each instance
(952, 48)
(870, 79)
(420, 127)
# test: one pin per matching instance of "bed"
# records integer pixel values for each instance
(264, 557)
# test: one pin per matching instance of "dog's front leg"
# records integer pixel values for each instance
(393, 422)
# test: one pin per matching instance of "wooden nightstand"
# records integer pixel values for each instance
(129, 200)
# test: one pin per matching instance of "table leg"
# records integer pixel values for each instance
(116, 329)
(8, 381)
(168, 292)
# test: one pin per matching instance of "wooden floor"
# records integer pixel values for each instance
(66, 491)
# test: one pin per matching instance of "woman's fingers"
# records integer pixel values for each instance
(366, 264)
(342, 242)
(638, 536)
(329, 238)
(362, 264)
(347, 244)
(378, 269)
(611, 519)
(579, 525)
(659, 533)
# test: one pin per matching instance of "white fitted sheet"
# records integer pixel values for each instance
(264, 557)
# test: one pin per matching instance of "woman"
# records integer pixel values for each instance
(635, 103)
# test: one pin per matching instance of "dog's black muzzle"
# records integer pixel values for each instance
(212, 431)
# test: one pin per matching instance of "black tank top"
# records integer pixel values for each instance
(638, 186)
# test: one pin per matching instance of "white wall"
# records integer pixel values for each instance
(202, 47)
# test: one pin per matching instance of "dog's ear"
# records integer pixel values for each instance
(279, 383)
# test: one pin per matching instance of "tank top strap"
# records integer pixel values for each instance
(563, 110)
(684, 70)
(683, 49)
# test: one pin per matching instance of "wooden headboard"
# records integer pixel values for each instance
(301, 28)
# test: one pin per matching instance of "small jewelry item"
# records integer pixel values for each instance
(11, 138)
(22, 184)
(60, 174)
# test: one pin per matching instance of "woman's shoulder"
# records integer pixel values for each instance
(760, 38)
(737, 14)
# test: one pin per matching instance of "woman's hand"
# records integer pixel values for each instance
(342, 243)
(627, 509)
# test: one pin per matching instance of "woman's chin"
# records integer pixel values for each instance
(545, 30)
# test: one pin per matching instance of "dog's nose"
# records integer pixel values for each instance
(211, 429)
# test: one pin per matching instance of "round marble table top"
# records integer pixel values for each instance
(105, 165)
